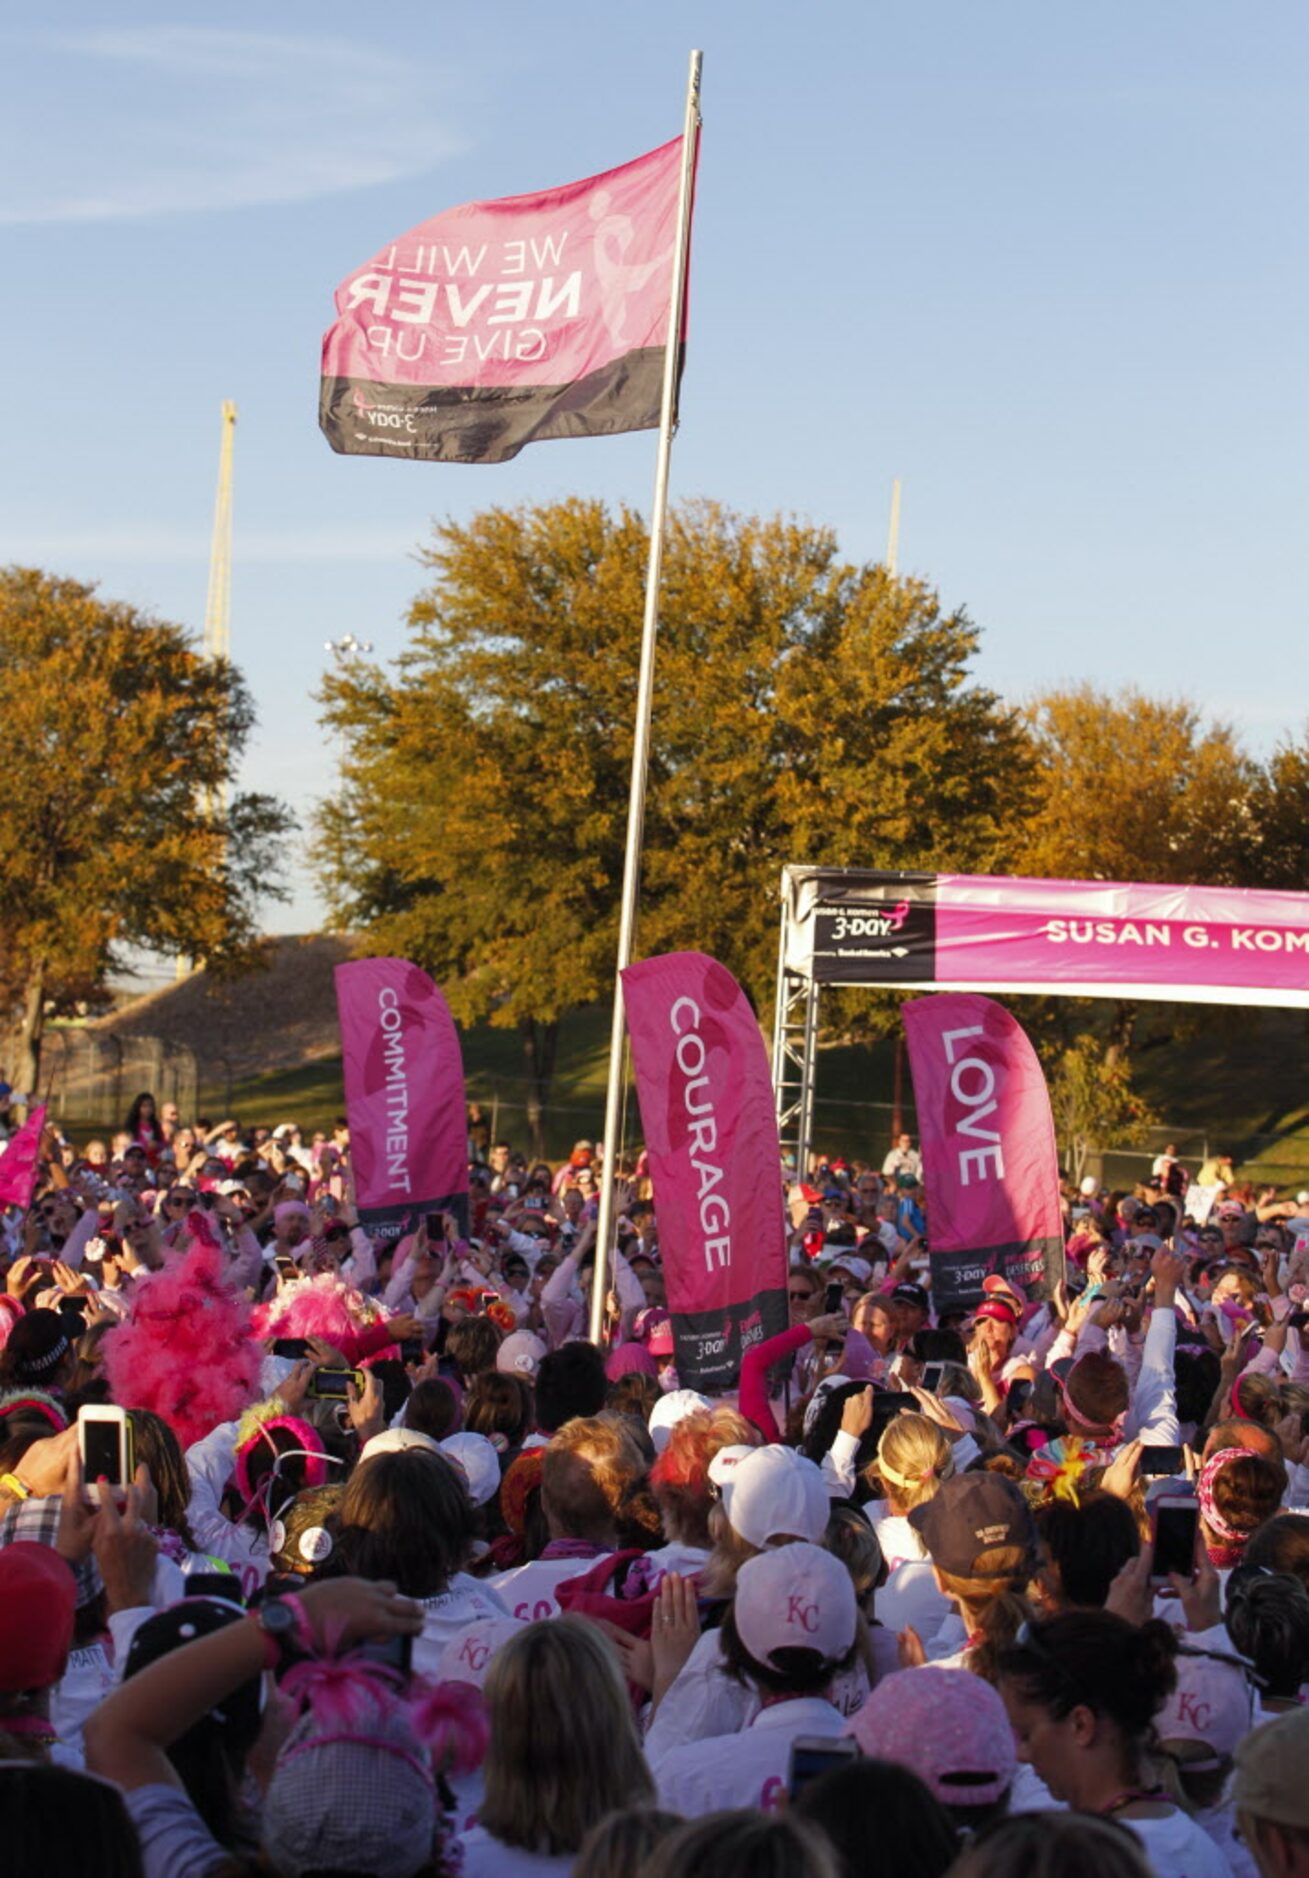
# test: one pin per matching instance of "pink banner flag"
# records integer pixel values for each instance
(20, 1159)
(990, 1165)
(498, 324)
(711, 1133)
(404, 1095)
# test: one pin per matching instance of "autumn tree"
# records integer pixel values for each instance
(806, 709)
(1135, 788)
(1277, 846)
(121, 827)
(1093, 1101)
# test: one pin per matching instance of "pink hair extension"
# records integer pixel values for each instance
(451, 1718)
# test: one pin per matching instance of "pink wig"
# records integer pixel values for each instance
(187, 1351)
(323, 1307)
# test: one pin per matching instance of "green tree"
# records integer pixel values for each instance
(118, 829)
(1093, 1102)
(805, 710)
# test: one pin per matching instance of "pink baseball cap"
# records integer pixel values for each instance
(771, 1493)
(1210, 1706)
(945, 1725)
(796, 1597)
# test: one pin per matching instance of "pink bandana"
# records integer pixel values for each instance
(1204, 1493)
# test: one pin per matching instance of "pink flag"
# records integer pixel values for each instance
(990, 1165)
(711, 1132)
(501, 323)
(404, 1095)
(20, 1159)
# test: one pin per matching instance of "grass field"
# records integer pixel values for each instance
(1241, 1083)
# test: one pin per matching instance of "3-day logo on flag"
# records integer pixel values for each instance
(498, 324)
(990, 1164)
(404, 1095)
(711, 1130)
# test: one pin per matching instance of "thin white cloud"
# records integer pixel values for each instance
(123, 124)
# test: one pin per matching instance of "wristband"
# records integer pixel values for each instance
(13, 1485)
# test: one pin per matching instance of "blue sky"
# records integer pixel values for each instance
(1045, 264)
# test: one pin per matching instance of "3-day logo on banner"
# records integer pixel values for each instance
(498, 324)
(404, 1095)
(711, 1133)
(990, 1164)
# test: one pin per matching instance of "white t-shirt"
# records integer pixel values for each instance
(746, 1769)
(175, 1843)
(485, 1857)
(446, 1617)
(528, 1591)
(1177, 1847)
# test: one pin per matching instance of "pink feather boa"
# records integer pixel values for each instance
(187, 1352)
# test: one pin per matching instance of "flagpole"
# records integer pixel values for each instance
(644, 692)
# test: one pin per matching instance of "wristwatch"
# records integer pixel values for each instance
(283, 1624)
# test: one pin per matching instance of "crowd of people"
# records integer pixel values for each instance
(387, 1569)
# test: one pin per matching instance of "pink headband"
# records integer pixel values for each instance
(1074, 1414)
(310, 1448)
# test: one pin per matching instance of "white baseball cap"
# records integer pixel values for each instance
(397, 1441)
(671, 1409)
(858, 1268)
(477, 1461)
(520, 1355)
(771, 1493)
(795, 1597)
(1211, 1707)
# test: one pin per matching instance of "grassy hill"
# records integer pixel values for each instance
(267, 1049)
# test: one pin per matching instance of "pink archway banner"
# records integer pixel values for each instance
(1084, 938)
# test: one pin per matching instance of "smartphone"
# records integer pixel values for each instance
(1298, 1319)
(832, 1297)
(435, 1223)
(74, 1308)
(294, 1347)
(1020, 1391)
(104, 1441)
(413, 1351)
(1162, 1460)
(1174, 1518)
(487, 1297)
(293, 1184)
(932, 1374)
(887, 1404)
(224, 1586)
(333, 1385)
(285, 1265)
(395, 1652)
(812, 1756)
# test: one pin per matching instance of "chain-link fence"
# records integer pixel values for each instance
(90, 1078)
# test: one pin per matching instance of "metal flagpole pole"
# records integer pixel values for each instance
(645, 688)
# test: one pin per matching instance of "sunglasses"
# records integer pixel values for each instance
(801, 1297)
